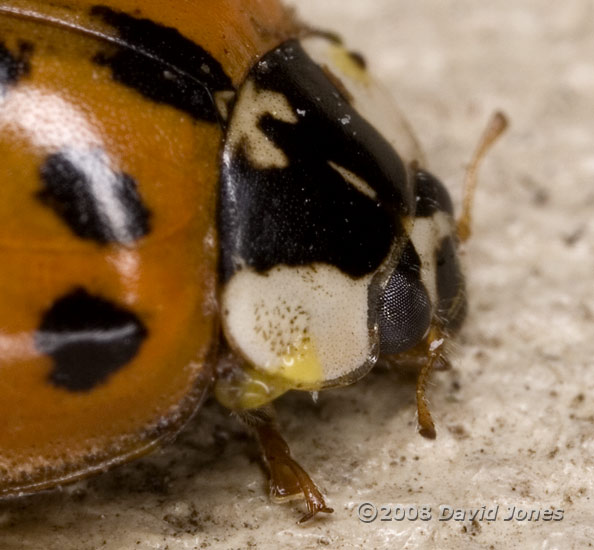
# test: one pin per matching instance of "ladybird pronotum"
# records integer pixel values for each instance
(214, 197)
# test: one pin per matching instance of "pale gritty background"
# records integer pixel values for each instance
(515, 416)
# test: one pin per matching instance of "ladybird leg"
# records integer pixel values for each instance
(426, 424)
(427, 356)
(287, 478)
(495, 128)
(434, 358)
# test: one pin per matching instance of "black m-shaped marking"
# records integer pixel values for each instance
(89, 338)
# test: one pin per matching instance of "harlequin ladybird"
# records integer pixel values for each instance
(211, 196)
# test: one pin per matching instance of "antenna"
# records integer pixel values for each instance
(494, 129)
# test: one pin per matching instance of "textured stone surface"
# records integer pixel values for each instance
(515, 416)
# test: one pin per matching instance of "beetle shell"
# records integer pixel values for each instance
(110, 141)
(173, 180)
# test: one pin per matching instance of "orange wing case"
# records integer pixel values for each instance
(139, 264)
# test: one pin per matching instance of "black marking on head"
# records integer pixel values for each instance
(404, 306)
(88, 338)
(432, 196)
(451, 305)
(358, 59)
(94, 201)
(306, 212)
(14, 66)
(331, 36)
(162, 65)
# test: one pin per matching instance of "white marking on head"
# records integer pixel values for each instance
(308, 324)
(357, 182)
(251, 106)
(222, 100)
(426, 236)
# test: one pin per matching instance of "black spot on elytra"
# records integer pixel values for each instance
(14, 66)
(306, 212)
(451, 305)
(88, 338)
(162, 65)
(432, 196)
(94, 201)
(404, 306)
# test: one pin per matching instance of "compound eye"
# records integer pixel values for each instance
(404, 310)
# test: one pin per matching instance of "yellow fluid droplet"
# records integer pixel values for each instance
(251, 388)
(302, 368)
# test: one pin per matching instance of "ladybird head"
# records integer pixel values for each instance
(322, 263)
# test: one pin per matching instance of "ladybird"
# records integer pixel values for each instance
(208, 199)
